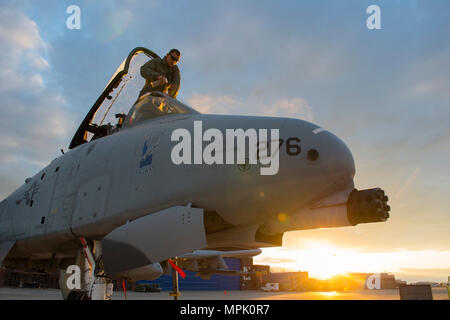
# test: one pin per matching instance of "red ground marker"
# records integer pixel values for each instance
(182, 274)
(124, 290)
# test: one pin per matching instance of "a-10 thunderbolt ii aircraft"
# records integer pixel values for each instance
(121, 203)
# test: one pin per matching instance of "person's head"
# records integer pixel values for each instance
(173, 57)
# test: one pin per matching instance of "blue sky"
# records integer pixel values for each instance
(386, 92)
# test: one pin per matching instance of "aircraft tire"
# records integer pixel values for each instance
(78, 295)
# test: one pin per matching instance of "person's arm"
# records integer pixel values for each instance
(148, 70)
(175, 86)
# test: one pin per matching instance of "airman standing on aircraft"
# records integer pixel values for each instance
(162, 74)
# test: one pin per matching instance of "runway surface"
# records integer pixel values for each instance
(7, 293)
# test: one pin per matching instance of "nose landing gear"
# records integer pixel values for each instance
(87, 280)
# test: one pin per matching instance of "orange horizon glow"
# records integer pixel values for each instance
(323, 260)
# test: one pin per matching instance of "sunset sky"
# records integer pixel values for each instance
(385, 93)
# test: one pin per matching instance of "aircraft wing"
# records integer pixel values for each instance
(209, 262)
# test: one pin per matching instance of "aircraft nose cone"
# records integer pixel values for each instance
(323, 157)
(339, 160)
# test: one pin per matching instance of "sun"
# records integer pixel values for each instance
(320, 259)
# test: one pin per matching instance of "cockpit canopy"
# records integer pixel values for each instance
(111, 111)
(152, 105)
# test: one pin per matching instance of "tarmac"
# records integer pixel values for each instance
(9, 293)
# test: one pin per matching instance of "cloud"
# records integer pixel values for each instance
(8, 183)
(239, 49)
(17, 31)
(252, 105)
(20, 57)
(213, 103)
(431, 274)
(35, 121)
(395, 234)
(295, 107)
(278, 260)
(324, 258)
(37, 61)
(35, 129)
(429, 78)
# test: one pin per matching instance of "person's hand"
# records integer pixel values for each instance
(162, 79)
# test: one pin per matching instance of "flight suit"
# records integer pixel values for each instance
(154, 68)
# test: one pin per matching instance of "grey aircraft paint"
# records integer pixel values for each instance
(116, 183)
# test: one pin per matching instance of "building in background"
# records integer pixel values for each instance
(29, 279)
(192, 282)
(249, 277)
(387, 280)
